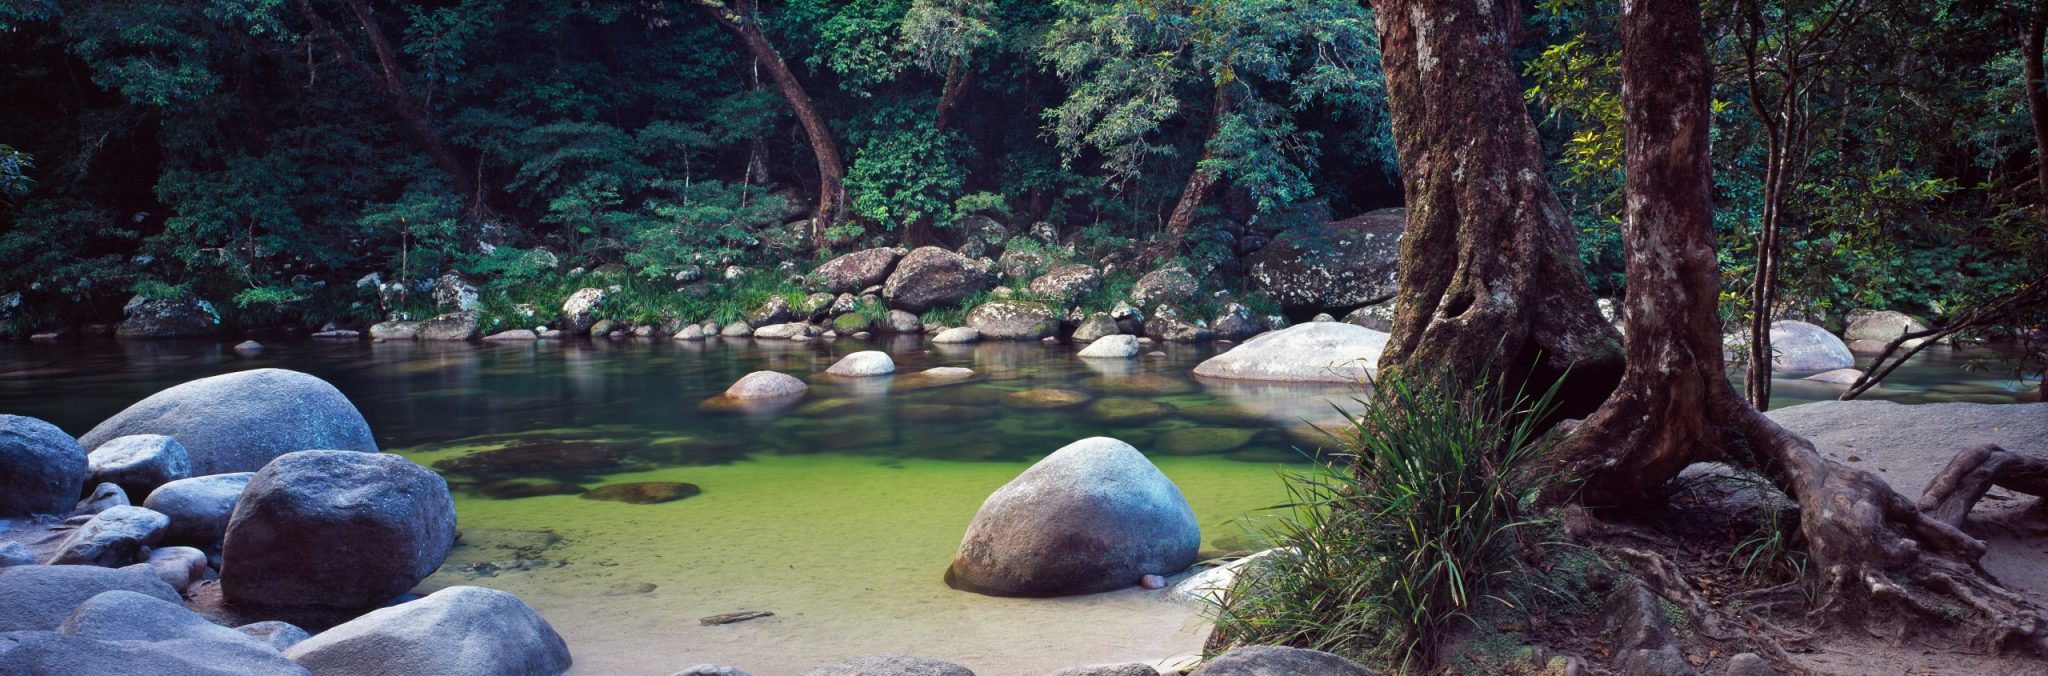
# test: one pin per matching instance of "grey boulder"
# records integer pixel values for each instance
(766, 385)
(198, 507)
(453, 326)
(116, 537)
(458, 631)
(42, 469)
(1094, 516)
(1797, 346)
(890, 665)
(1316, 352)
(866, 363)
(1117, 346)
(858, 270)
(182, 317)
(139, 463)
(1165, 285)
(41, 597)
(1068, 282)
(238, 421)
(1333, 267)
(49, 652)
(1267, 660)
(1014, 320)
(933, 277)
(16, 554)
(336, 529)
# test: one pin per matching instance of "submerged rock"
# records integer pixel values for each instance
(42, 469)
(336, 529)
(1322, 352)
(1124, 411)
(644, 493)
(514, 490)
(198, 507)
(458, 631)
(1203, 440)
(1094, 516)
(1045, 398)
(1145, 384)
(1837, 376)
(239, 421)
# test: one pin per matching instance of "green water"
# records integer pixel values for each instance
(838, 512)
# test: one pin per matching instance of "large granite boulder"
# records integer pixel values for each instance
(1094, 516)
(336, 529)
(42, 469)
(1014, 320)
(182, 317)
(140, 463)
(1333, 267)
(239, 421)
(457, 631)
(1267, 660)
(115, 537)
(451, 326)
(933, 277)
(766, 385)
(890, 665)
(1068, 282)
(199, 507)
(41, 597)
(1165, 285)
(579, 311)
(1316, 352)
(858, 270)
(1882, 326)
(1797, 346)
(863, 364)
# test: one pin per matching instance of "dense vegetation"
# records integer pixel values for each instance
(267, 155)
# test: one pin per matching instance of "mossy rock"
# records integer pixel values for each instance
(537, 458)
(515, 490)
(1143, 384)
(1222, 414)
(1127, 411)
(1202, 440)
(941, 413)
(1045, 398)
(644, 492)
(851, 323)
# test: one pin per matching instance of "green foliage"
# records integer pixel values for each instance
(906, 175)
(14, 173)
(1382, 558)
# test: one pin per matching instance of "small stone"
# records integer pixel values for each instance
(644, 493)
(248, 347)
(1152, 582)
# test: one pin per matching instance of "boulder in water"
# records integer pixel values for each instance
(239, 421)
(1319, 352)
(336, 529)
(1094, 516)
(1117, 346)
(865, 363)
(765, 385)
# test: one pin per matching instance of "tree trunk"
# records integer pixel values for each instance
(392, 84)
(1489, 276)
(741, 19)
(1201, 181)
(2031, 39)
(958, 77)
(1675, 406)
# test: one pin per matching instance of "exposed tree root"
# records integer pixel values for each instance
(1972, 473)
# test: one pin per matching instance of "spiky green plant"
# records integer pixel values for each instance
(1382, 555)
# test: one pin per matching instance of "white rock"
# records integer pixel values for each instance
(1120, 346)
(957, 335)
(1322, 352)
(867, 363)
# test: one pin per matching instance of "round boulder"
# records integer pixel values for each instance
(1266, 660)
(868, 363)
(1094, 516)
(958, 334)
(765, 385)
(1798, 346)
(239, 421)
(42, 469)
(1068, 282)
(1014, 320)
(1165, 285)
(1118, 346)
(1316, 352)
(933, 277)
(458, 631)
(858, 270)
(336, 529)
(1882, 326)
(899, 321)
(199, 507)
(579, 312)
(139, 463)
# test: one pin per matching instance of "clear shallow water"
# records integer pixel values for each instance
(839, 513)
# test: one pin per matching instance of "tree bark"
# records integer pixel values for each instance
(2031, 39)
(1490, 276)
(391, 82)
(742, 20)
(958, 76)
(1201, 181)
(1675, 406)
